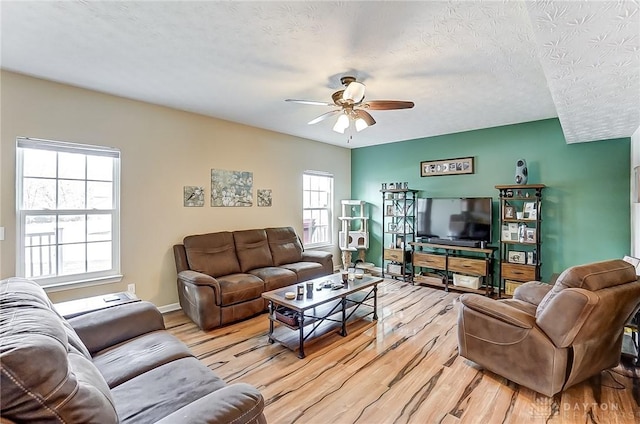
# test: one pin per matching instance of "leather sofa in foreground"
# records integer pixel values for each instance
(551, 337)
(221, 276)
(107, 366)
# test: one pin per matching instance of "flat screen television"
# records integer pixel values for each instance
(459, 221)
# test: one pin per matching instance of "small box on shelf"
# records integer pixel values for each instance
(510, 286)
(468, 281)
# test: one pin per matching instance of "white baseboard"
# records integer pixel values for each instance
(169, 308)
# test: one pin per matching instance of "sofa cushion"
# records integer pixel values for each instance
(213, 254)
(163, 390)
(306, 270)
(594, 276)
(275, 277)
(285, 245)
(238, 288)
(43, 377)
(129, 359)
(252, 249)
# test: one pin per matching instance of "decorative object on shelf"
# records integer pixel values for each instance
(231, 188)
(522, 233)
(391, 210)
(193, 196)
(509, 212)
(521, 172)
(530, 211)
(517, 257)
(264, 197)
(530, 235)
(531, 258)
(454, 166)
(384, 186)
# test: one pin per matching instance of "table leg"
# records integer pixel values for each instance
(271, 316)
(343, 332)
(375, 302)
(301, 335)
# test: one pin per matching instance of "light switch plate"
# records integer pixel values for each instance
(1, 233)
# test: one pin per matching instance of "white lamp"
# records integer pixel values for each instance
(341, 124)
(361, 124)
(354, 92)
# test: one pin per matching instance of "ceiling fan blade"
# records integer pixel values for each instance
(325, 116)
(387, 104)
(366, 116)
(309, 102)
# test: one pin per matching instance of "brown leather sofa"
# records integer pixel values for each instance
(221, 276)
(548, 338)
(107, 366)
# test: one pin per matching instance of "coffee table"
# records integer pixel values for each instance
(317, 306)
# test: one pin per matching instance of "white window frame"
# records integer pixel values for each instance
(79, 279)
(328, 208)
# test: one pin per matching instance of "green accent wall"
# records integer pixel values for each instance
(585, 208)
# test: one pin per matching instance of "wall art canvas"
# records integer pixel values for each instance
(264, 197)
(193, 196)
(231, 188)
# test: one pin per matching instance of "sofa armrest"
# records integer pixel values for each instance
(200, 279)
(323, 258)
(498, 310)
(107, 327)
(532, 292)
(237, 403)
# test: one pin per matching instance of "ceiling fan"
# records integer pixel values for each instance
(352, 107)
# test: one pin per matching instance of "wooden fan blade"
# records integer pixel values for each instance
(387, 104)
(365, 115)
(325, 116)
(309, 102)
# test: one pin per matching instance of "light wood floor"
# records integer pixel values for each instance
(404, 368)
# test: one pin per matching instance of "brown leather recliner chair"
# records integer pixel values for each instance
(548, 338)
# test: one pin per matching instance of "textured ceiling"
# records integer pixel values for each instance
(466, 65)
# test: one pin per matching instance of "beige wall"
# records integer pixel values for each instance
(162, 151)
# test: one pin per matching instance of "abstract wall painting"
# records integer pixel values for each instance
(231, 188)
(264, 197)
(193, 196)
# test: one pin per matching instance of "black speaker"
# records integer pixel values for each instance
(521, 171)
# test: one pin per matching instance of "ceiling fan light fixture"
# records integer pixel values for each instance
(341, 124)
(361, 124)
(354, 92)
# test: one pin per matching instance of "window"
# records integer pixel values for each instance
(317, 203)
(67, 202)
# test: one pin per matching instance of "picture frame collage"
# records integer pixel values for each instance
(529, 212)
(455, 166)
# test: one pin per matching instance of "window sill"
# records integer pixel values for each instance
(71, 285)
(317, 246)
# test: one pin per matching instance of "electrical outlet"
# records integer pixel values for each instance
(1, 233)
(131, 288)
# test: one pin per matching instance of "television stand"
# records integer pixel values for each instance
(449, 266)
